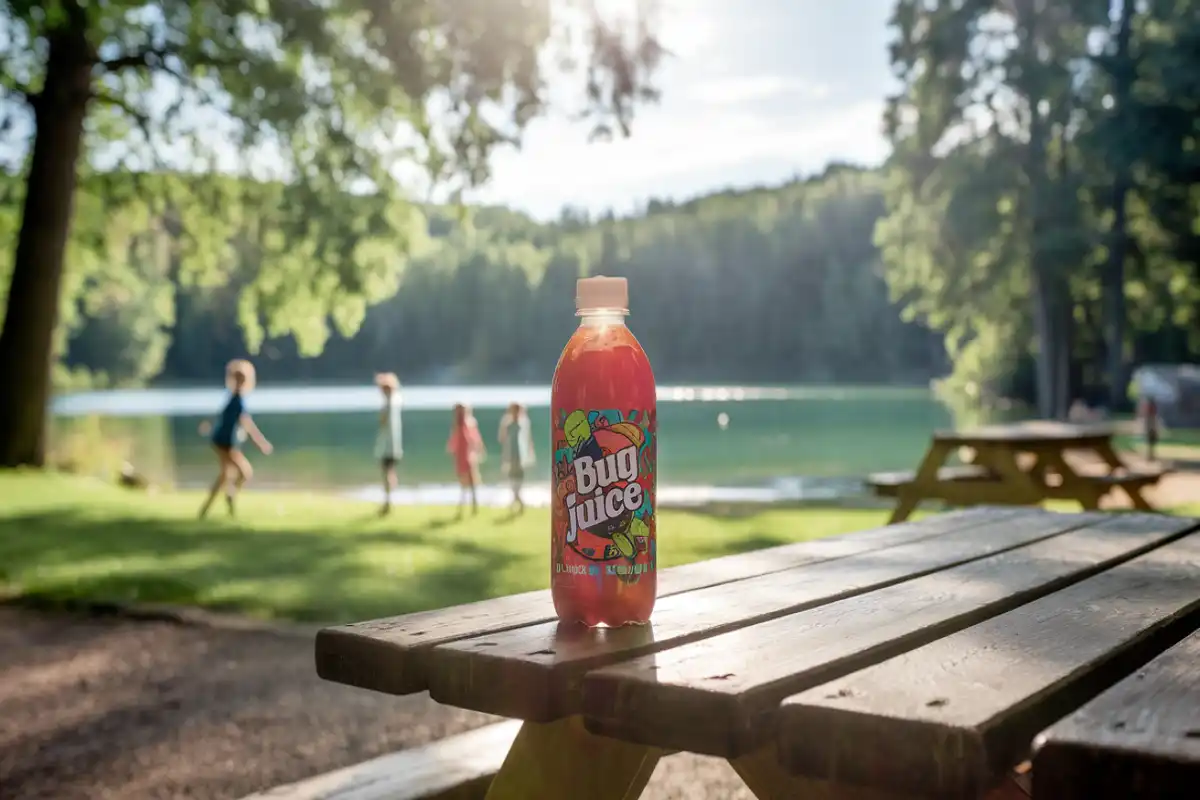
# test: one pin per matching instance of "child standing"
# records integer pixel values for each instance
(517, 448)
(388, 442)
(466, 446)
(231, 428)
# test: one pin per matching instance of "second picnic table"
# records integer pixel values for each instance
(914, 660)
(1024, 463)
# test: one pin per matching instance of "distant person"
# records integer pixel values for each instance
(466, 447)
(516, 444)
(230, 430)
(388, 442)
(1148, 415)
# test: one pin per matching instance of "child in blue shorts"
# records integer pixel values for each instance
(229, 431)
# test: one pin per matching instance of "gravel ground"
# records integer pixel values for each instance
(100, 708)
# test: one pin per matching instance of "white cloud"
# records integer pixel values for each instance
(745, 101)
(678, 155)
(749, 88)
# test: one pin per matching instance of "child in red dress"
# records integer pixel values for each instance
(465, 445)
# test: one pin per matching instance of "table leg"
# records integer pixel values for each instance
(768, 780)
(1114, 462)
(1086, 493)
(910, 496)
(1021, 487)
(562, 759)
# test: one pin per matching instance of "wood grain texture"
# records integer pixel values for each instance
(388, 655)
(536, 672)
(1141, 738)
(455, 768)
(947, 719)
(719, 696)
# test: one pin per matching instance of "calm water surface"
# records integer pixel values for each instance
(752, 443)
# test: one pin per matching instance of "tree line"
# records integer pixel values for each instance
(768, 285)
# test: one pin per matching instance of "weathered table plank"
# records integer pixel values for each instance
(947, 719)
(719, 696)
(388, 655)
(535, 673)
(1140, 738)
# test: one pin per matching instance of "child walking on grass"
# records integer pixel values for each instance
(516, 445)
(388, 442)
(232, 426)
(465, 445)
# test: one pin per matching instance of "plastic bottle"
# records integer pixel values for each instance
(604, 437)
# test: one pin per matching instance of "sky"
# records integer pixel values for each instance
(756, 92)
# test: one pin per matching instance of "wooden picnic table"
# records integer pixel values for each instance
(1023, 463)
(918, 660)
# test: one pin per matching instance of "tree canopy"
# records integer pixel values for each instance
(1042, 190)
(300, 103)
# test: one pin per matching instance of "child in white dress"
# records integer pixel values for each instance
(516, 443)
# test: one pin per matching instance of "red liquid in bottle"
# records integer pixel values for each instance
(604, 438)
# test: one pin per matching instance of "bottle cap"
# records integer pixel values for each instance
(601, 292)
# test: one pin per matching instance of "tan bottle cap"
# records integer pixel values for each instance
(601, 292)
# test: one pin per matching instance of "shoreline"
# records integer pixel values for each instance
(1180, 486)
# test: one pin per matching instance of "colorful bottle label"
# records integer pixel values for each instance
(604, 479)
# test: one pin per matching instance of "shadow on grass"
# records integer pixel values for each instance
(66, 557)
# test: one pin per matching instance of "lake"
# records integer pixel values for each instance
(777, 443)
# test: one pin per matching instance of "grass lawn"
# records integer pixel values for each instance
(316, 557)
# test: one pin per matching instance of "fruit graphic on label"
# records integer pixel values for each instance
(610, 441)
(624, 544)
(630, 431)
(638, 528)
(576, 429)
(580, 436)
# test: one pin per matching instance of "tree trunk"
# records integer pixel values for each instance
(27, 340)
(1043, 273)
(1065, 389)
(1043, 329)
(1113, 280)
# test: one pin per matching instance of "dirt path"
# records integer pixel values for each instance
(99, 708)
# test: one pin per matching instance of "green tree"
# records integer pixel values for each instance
(984, 228)
(334, 93)
(1120, 66)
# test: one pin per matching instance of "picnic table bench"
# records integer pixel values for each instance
(918, 660)
(1023, 463)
